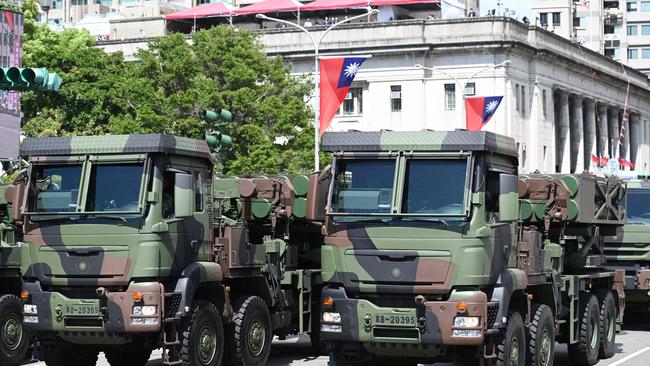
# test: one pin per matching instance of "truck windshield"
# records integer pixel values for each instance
(363, 186)
(114, 187)
(435, 187)
(55, 188)
(638, 205)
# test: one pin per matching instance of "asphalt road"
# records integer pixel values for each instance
(633, 349)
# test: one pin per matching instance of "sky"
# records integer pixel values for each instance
(521, 7)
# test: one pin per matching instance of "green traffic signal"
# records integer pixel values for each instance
(37, 79)
(219, 140)
(213, 116)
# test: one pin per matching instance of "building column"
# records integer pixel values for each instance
(576, 133)
(634, 136)
(562, 148)
(602, 130)
(589, 127)
(613, 132)
(625, 144)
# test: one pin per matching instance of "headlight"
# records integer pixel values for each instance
(466, 321)
(331, 328)
(144, 321)
(148, 310)
(30, 319)
(466, 333)
(30, 309)
(331, 317)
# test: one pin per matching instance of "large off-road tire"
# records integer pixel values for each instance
(117, 357)
(585, 351)
(249, 334)
(202, 336)
(511, 349)
(68, 356)
(14, 338)
(607, 326)
(541, 337)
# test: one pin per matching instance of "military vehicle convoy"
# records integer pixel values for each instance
(629, 249)
(435, 249)
(131, 243)
(14, 339)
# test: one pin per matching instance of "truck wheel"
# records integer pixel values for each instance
(14, 339)
(68, 356)
(607, 327)
(116, 357)
(511, 350)
(541, 337)
(585, 351)
(250, 332)
(202, 336)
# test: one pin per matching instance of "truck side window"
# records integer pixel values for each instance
(168, 195)
(492, 195)
(198, 191)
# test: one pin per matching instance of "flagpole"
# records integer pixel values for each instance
(463, 108)
(316, 43)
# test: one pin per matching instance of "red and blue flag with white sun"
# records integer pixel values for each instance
(336, 76)
(479, 111)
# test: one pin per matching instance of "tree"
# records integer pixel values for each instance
(167, 88)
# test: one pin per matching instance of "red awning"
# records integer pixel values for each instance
(345, 4)
(269, 6)
(202, 11)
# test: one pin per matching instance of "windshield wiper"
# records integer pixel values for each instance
(111, 217)
(426, 220)
(42, 218)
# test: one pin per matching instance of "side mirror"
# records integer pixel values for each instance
(183, 195)
(508, 198)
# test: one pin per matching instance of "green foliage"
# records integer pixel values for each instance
(166, 90)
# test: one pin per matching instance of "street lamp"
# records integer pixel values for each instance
(460, 83)
(317, 43)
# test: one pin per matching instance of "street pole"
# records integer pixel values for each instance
(463, 85)
(316, 43)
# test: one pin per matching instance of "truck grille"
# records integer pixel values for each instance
(396, 333)
(172, 302)
(84, 322)
(492, 311)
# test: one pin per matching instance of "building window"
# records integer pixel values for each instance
(632, 30)
(645, 5)
(352, 104)
(632, 6)
(543, 19)
(517, 97)
(544, 103)
(617, 53)
(632, 53)
(470, 89)
(396, 98)
(618, 29)
(556, 19)
(645, 53)
(645, 29)
(523, 101)
(579, 22)
(450, 97)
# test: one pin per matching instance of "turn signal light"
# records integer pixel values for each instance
(137, 296)
(328, 301)
(24, 294)
(461, 307)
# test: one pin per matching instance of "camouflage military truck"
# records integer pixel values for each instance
(131, 245)
(435, 249)
(14, 340)
(629, 249)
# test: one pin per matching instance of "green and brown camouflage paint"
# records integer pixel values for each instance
(82, 268)
(398, 280)
(629, 249)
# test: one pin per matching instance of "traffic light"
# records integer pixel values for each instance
(220, 115)
(37, 79)
(218, 140)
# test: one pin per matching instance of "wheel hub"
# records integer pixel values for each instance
(545, 355)
(514, 352)
(207, 344)
(12, 333)
(256, 338)
(594, 333)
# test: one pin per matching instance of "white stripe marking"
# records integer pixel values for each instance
(622, 361)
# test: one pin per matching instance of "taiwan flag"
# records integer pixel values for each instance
(336, 76)
(479, 111)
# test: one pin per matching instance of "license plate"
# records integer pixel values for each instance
(82, 309)
(395, 319)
